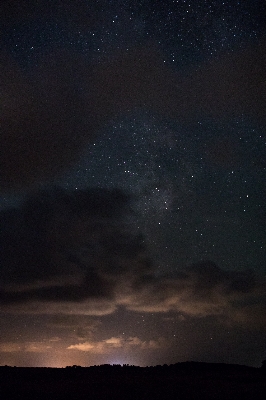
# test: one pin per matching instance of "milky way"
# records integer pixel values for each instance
(132, 170)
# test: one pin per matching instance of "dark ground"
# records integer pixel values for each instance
(179, 381)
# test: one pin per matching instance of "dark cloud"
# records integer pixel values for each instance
(231, 84)
(68, 247)
(227, 86)
(77, 14)
(44, 120)
(50, 113)
(79, 253)
(202, 290)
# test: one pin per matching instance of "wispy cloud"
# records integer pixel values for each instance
(108, 345)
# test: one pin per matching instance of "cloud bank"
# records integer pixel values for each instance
(79, 253)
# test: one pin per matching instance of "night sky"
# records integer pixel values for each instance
(132, 176)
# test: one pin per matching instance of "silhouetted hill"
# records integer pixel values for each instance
(187, 380)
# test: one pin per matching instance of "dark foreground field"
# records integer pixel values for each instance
(179, 381)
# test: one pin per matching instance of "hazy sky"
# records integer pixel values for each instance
(132, 172)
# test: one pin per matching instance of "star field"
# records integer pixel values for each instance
(132, 177)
